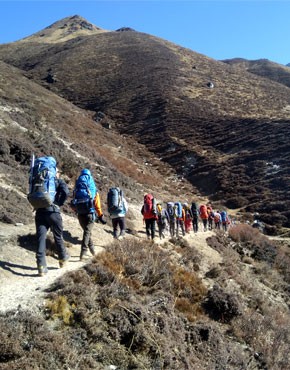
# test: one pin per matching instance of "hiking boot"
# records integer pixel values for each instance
(42, 270)
(84, 255)
(64, 261)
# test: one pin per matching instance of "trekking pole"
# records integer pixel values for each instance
(31, 171)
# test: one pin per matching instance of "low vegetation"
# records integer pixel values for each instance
(142, 306)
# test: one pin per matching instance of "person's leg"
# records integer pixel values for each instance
(42, 227)
(122, 225)
(172, 228)
(57, 230)
(163, 228)
(182, 227)
(176, 228)
(87, 223)
(153, 226)
(115, 223)
(196, 224)
(147, 225)
(159, 224)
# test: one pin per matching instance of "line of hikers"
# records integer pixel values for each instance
(176, 218)
(47, 193)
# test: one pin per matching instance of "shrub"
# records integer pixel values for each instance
(259, 245)
(244, 233)
(60, 308)
(220, 305)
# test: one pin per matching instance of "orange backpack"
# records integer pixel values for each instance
(203, 212)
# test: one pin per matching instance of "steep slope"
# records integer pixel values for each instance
(33, 119)
(230, 142)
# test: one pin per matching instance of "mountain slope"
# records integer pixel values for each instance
(264, 68)
(35, 120)
(230, 142)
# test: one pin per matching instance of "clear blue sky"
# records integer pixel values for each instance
(218, 29)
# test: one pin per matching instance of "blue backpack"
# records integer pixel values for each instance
(178, 209)
(115, 201)
(42, 188)
(170, 210)
(84, 193)
(224, 216)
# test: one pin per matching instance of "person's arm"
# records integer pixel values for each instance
(125, 205)
(183, 215)
(62, 193)
(98, 208)
(97, 205)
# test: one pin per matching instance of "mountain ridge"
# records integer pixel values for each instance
(157, 93)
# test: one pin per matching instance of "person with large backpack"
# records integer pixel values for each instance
(47, 193)
(162, 220)
(149, 212)
(224, 220)
(86, 203)
(217, 220)
(117, 209)
(188, 218)
(180, 218)
(203, 212)
(195, 214)
(171, 215)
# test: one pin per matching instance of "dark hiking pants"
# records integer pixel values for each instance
(161, 229)
(44, 221)
(195, 224)
(179, 224)
(150, 228)
(87, 224)
(118, 221)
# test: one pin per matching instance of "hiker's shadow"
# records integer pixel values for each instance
(28, 242)
(12, 267)
(109, 232)
(67, 236)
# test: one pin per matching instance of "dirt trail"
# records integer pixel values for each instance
(21, 287)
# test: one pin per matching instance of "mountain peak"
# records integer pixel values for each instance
(65, 29)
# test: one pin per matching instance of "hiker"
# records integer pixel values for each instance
(117, 209)
(49, 217)
(217, 220)
(170, 212)
(149, 213)
(203, 215)
(224, 220)
(210, 216)
(195, 214)
(188, 218)
(86, 204)
(162, 220)
(180, 218)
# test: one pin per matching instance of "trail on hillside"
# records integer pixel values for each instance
(20, 285)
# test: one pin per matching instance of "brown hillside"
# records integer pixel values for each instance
(231, 142)
(34, 120)
(264, 68)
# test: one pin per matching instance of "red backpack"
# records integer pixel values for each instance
(149, 208)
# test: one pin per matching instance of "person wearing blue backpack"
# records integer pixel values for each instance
(86, 203)
(180, 218)
(117, 209)
(47, 194)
